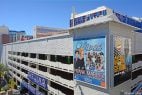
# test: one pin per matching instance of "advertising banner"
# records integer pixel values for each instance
(138, 90)
(39, 93)
(122, 59)
(32, 89)
(90, 61)
(25, 84)
(37, 79)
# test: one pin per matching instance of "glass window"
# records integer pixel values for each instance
(104, 12)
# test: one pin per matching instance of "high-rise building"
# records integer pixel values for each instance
(42, 31)
(4, 31)
(16, 35)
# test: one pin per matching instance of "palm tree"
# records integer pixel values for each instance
(3, 71)
(11, 83)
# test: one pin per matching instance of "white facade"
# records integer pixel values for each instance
(60, 45)
(110, 25)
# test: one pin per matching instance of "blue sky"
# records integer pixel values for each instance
(25, 14)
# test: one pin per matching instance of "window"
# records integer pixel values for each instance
(63, 89)
(26, 80)
(9, 52)
(104, 12)
(88, 17)
(18, 60)
(32, 65)
(14, 72)
(65, 75)
(23, 54)
(18, 53)
(33, 84)
(18, 68)
(26, 54)
(43, 91)
(137, 58)
(25, 71)
(14, 53)
(18, 82)
(95, 15)
(18, 74)
(14, 59)
(25, 63)
(53, 58)
(65, 59)
(137, 73)
(100, 13)
(43, 56)
(42, 68)
(91, 16)
(71, 22)
(32, 55)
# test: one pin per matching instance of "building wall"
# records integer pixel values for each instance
(93, 32)
(5, 38)
(111, 30)
(16, 35)
(117, 29)
(41, 31)
(60, 45)
(4, 30)
(3, 33)
(137, 43)
(45, 46)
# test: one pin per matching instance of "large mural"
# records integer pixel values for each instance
(90, 61)
(122, 59)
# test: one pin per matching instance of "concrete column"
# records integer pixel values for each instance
(37, 66)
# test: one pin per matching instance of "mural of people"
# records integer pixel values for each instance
(89, 61)
(79, 63)
(76, 56)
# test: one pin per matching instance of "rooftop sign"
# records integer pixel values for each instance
(87, 17)
(128, 20)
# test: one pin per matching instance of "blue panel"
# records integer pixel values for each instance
(128, 20)
(87, 17)
(38, 80)
(39, 93)
(25, 84)
(138, 90)
(32, 89)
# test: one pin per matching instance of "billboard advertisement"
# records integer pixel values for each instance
(39, 93)
(25, 84)
(38, 80)
(122, 59)
(32, 89)
(90, 61)
(138, 90)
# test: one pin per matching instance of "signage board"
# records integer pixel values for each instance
(38, 79)
(122, 59)
(90, 61)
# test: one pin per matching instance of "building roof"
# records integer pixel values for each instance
(45, 29)
(16, 31)
(81, 20)
(42, 38)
